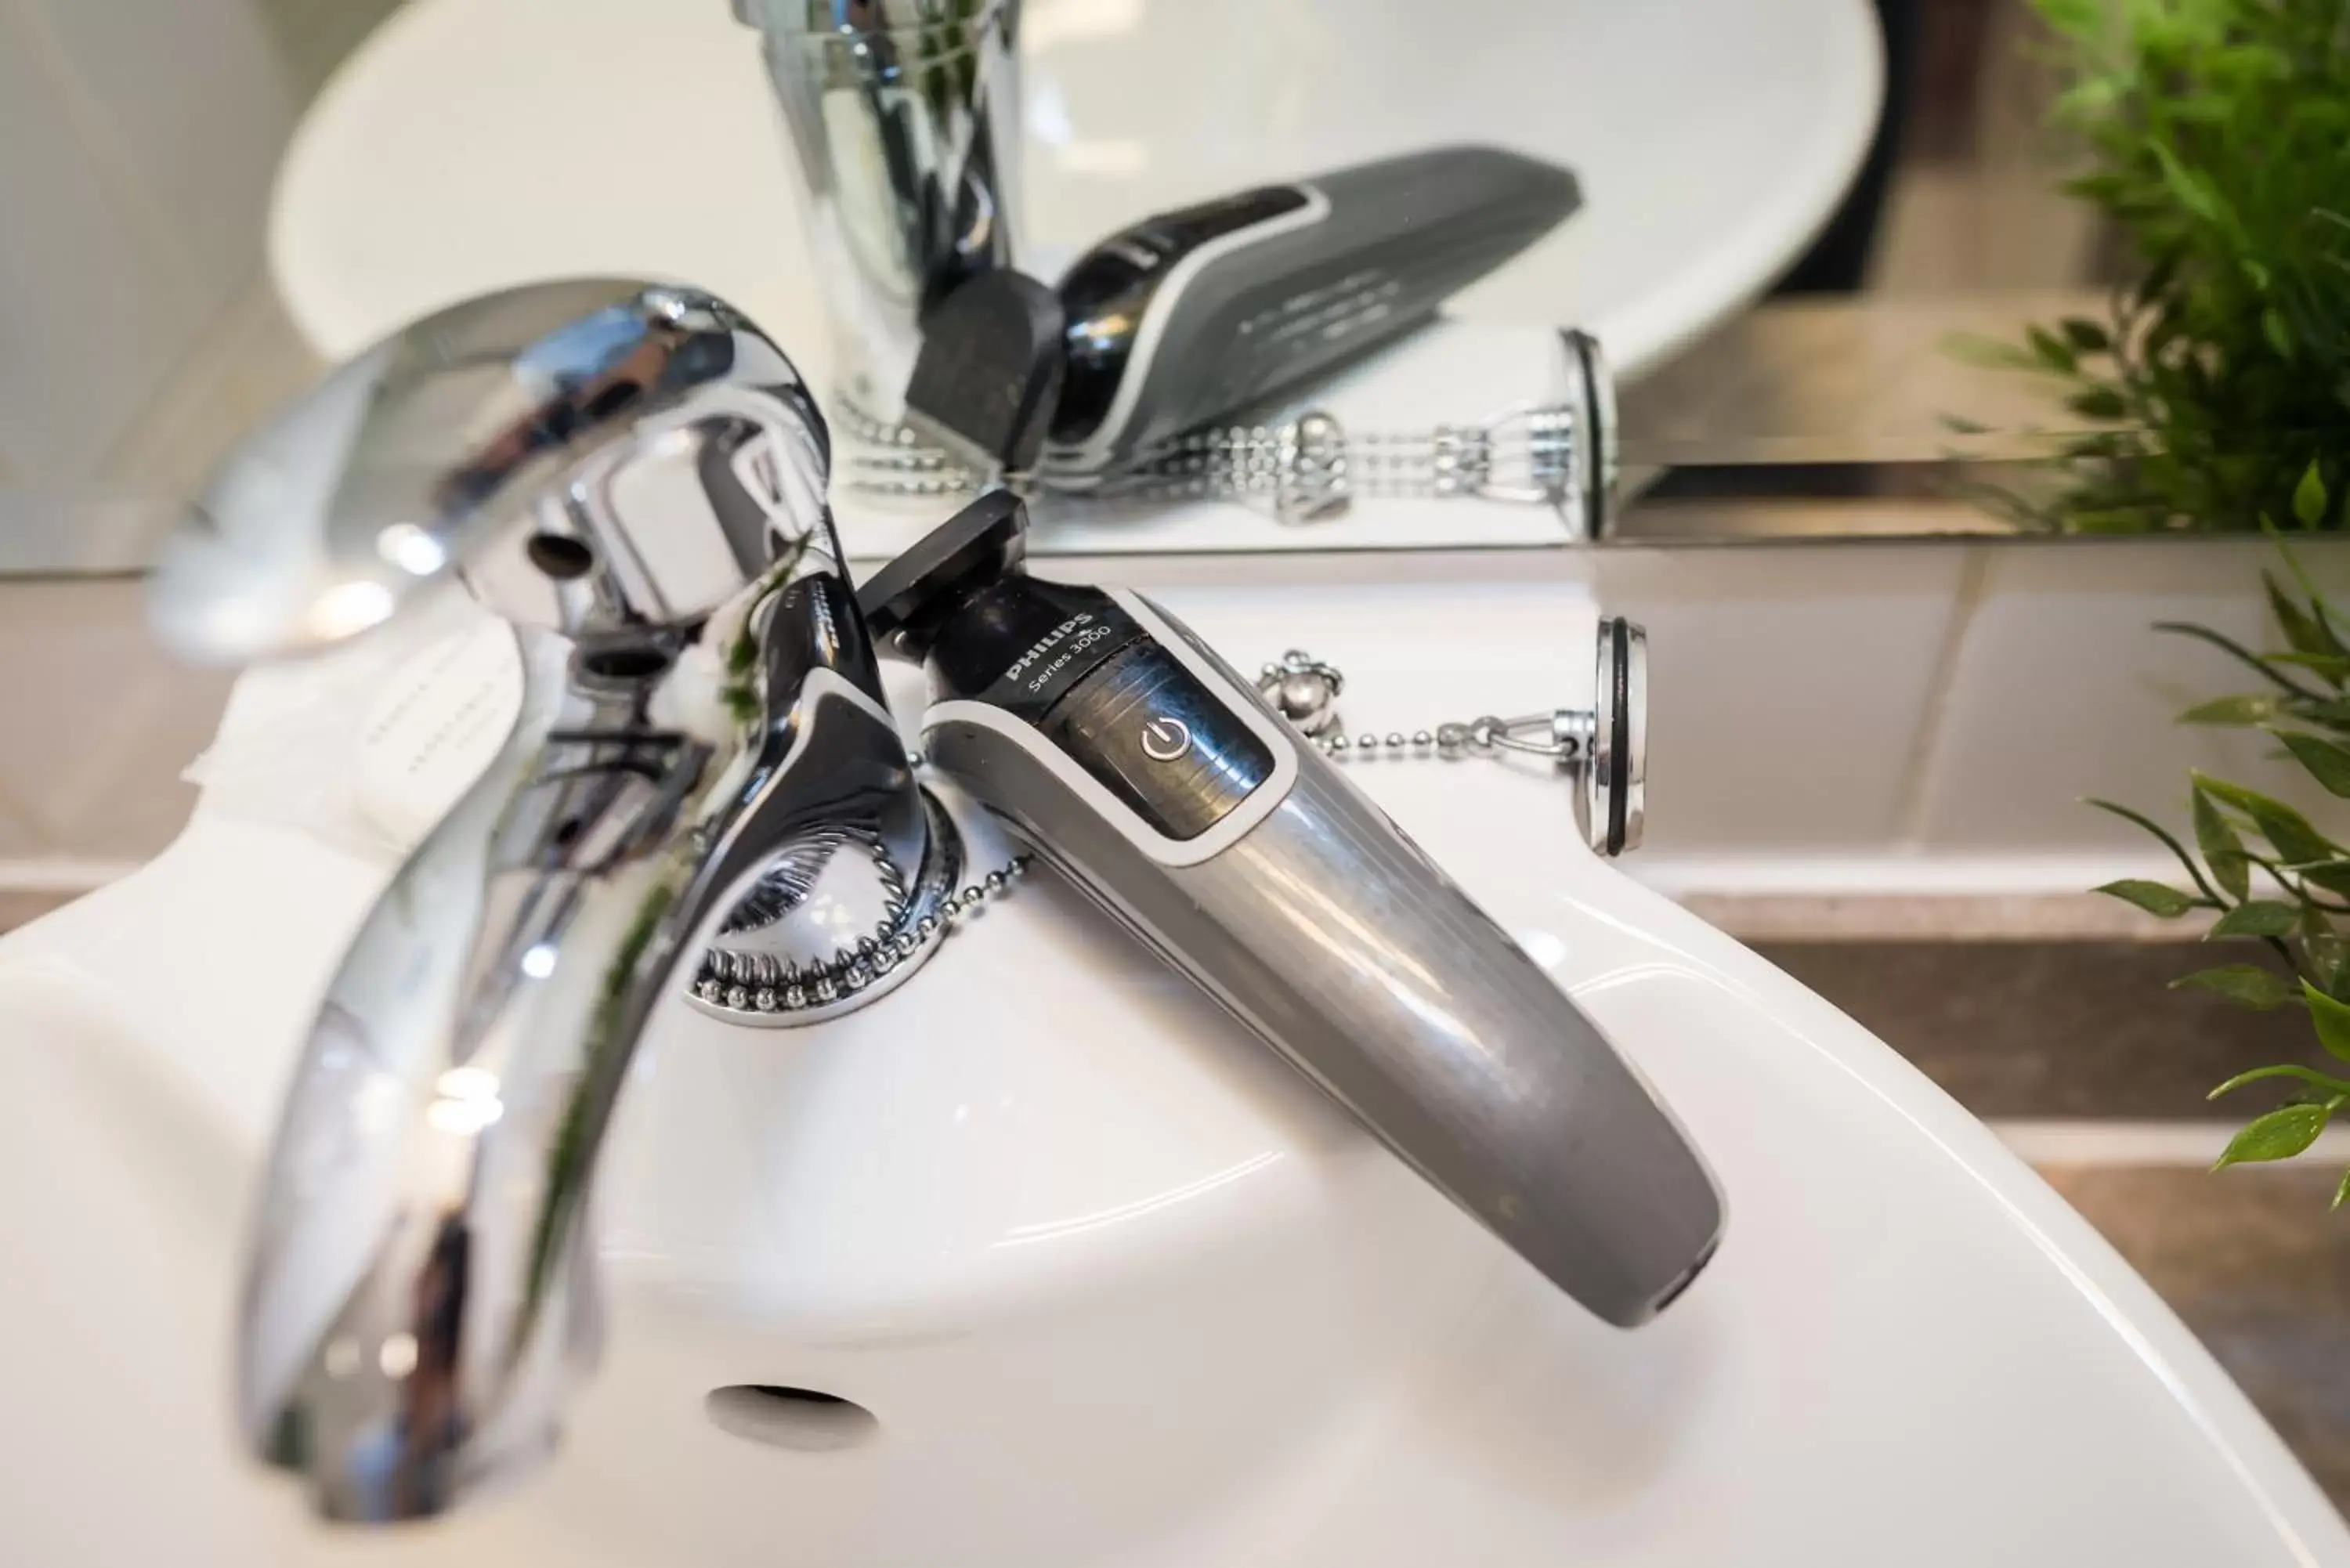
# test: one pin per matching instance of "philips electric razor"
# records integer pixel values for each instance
(1143, 767)
(1191, 316)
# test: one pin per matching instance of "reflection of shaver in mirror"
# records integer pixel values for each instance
(1148, 771)
(1190, 316)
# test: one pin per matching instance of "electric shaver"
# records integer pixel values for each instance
(1139, 764)
(1192, 314)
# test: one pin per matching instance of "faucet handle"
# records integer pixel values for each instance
(585, 455)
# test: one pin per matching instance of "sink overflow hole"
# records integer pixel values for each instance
(560, 556)
(624, 661)
(806, 1419)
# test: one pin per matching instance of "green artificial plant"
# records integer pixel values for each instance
(2268, 873)
(2216, 140)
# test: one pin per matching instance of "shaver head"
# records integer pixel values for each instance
(989, 374)
(905, 602)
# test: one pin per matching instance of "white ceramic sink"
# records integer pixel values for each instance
(1133, 1294)
(637, 138)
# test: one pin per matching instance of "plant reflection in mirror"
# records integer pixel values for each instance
(2267, 871)
(2218, 139)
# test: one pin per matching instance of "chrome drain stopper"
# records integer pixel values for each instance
(1606, 745)
(1615, 773)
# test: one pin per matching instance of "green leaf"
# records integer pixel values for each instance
(2334, 666)
(2287, 831)
(2302, 632)
(1986, 353)
(2111, 520)
(2342, 1193)
(2138, 819)
(2309, 1075)
(2331, 714)
(2332, 1020)
(2232, 711)
(2258, 917)
(2280, 1135)
(2084, 336)
(2252, 660)
(2051, 350)
(2334, 876)
(2328, 764)
(2082, 19)
(2246, 984)
(2319, 609)
(2103, 189)
(2322, 949)
(2223, 852)
(2190, 190)
(2278, 334)
(2309, 496)
(2154, 898)
(2086, 98)
(2097, 403)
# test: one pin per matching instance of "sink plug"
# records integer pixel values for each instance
(1605, 746)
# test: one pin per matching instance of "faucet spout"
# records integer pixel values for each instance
(634, 476)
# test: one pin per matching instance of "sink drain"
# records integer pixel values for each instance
(806, 1419)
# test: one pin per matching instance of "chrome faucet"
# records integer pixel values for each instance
(634, 477)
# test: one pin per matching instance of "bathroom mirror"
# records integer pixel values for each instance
(1860, 281)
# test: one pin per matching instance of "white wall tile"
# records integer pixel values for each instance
(1788, 683)
(92, 313)
(194, 99)
(19, 841)
(2062, 689)
(98, 723)
(1788, 688)
(1791, 690)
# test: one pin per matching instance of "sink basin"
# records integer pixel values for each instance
(1089, 1278)
(439, 123)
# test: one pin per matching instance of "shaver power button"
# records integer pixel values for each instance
(1166, 740)
(1159, 741)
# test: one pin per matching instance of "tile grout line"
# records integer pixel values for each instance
(2104, 1142)
(1910, 828)
(88, 123)
(70, 875)
(233, 327)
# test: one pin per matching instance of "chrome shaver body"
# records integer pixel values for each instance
(634, 476)
(1143, 766)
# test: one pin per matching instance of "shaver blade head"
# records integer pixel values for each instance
(989, 374)
(905, 601)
